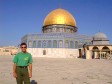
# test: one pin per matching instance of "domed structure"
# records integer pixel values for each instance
(59, 39)
(100, 35)
(100, 38)
(59, 16)
(59, 20)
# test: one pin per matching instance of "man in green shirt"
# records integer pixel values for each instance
(22, 61)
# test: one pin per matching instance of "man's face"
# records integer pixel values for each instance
(23, 48)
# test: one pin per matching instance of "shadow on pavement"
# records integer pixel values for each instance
(33, 82)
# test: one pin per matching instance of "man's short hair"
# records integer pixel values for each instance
(23, 44)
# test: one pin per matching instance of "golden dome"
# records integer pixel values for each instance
(59, 16)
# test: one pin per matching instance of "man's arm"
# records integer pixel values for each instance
(14, 70)
(30, 70)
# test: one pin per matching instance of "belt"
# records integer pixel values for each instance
(22, 66)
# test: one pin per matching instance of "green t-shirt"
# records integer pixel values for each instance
(23, 59)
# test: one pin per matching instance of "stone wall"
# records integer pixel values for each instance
(5, 53)
(8, 51)
(54, 52)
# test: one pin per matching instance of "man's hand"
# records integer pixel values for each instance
(14, 75)
(30, 70)
(14, 70)
(30, 75)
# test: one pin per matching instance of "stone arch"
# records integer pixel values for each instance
(76, 44)
(55, 44)
(34, 44)
(44, 44)
(105, 52)
(66, 44)
(95, 48)
(30, 44)
(39, 44)
(71, 44)
(49, 45)
(96, 54)
(105, 47)
(60, 43)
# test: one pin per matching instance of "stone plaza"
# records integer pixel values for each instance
(61, 71)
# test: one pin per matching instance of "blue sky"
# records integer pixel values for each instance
(21, 17)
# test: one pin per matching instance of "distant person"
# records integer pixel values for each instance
(22, 68)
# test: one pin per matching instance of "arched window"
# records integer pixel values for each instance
(106, 49)
(54, 44)
(66, 44)
(30, 44)
(71, 44)
(76, 44)
(34, 44)
(60, 44)
(44, 44)
(49, 44)
(39, 44)
(95, 48)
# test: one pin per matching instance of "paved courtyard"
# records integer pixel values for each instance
(61, 71)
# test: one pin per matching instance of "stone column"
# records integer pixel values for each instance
(88, 54)
(95, 54)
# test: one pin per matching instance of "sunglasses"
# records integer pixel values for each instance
(23, 47)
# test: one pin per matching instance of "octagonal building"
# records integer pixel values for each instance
(59, 37)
